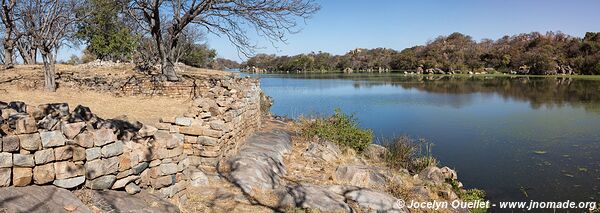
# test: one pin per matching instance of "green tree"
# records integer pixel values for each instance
(198, 55)
(106, 32)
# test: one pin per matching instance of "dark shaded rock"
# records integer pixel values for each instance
(56, 109)
(81, 113)
(18, 106)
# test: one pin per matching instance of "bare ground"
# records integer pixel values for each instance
(24, 83)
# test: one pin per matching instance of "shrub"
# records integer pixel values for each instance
(473, 195)
(341, 129)
(404, 152)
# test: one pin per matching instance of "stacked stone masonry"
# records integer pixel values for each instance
(51, 144)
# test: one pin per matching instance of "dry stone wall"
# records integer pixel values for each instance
(51, 144)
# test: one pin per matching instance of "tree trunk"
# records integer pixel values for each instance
(34, 55)
(27, 54)
(8, 54)
(49, 75)
(168, 69)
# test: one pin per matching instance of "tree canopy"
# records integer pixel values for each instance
(528, 53)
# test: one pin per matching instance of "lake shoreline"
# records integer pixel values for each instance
(497, 120)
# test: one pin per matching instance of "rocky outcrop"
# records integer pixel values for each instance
(259, 164)
(259, 167)
(40, 199)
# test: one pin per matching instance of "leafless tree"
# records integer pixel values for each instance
(229, 18)
(10, 34)
(51, 23)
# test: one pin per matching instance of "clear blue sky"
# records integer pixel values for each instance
(342, 25)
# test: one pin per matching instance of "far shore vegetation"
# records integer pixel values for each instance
(528, 54)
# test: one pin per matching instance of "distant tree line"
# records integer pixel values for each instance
(528, 53)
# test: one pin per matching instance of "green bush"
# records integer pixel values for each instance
(341, 129)
(473, 195)
(406, 153)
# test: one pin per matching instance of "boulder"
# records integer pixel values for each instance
(433, 174)
(147, 131)
(44, 156)
(85, 139)
(323, 150)
(167, 169)
(163, 181)
(449, 173)
(168, 140)
(94, 169)
(23, 160)
(43, 174)
(375, 152)
(5, 175)
(183, 121)
(207, 141)
(198, 179)
(360, 175)
(111, 165)
(373, 201)
(140, 167)
(93, 153)
(125, 161)
(49, 122)
(132, 188)
(312, 197)
(70, 130)
(26, 125)
(41, 199)
(104, 136)
(63, 153)
(79, 153)
(52, 139)
(81, 113)
(6, 160)
(10, 143)
(67, 169)
(104, 182)
(123, 182)
(18, 106)
(69, 183)
(112, 149)
(55, 109)
(22, 176)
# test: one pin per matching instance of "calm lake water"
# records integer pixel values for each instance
(487, 128)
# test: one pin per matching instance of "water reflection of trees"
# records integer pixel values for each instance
(538, 91)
